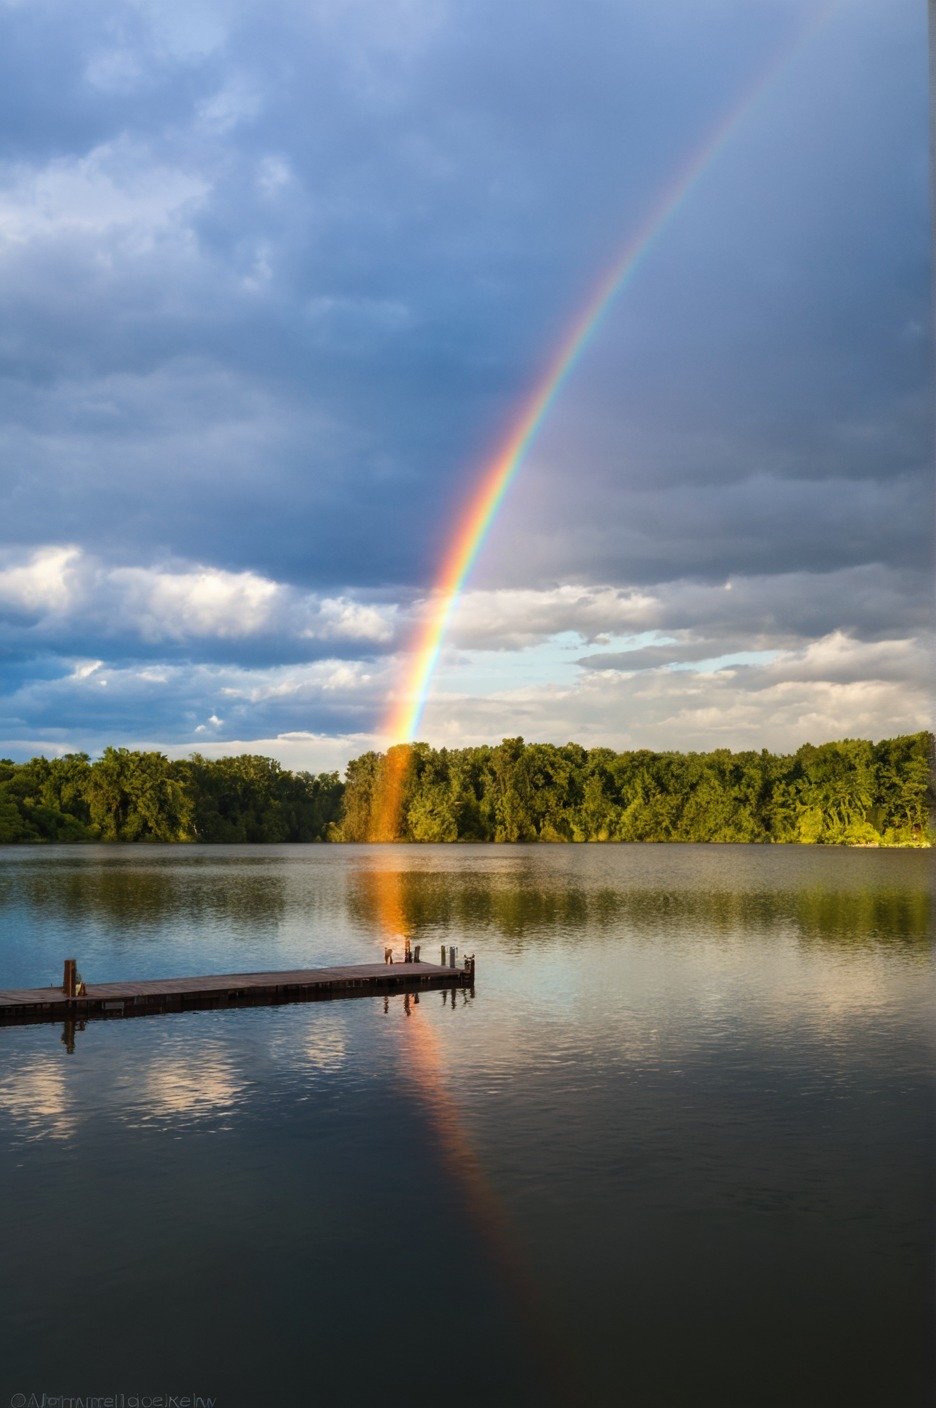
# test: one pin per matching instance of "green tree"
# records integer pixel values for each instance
(904, 789)
(138, 797)
(361, 782)
(43, 799)
(836, 792)
(506, 803)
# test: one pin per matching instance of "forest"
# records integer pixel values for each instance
(852, 792)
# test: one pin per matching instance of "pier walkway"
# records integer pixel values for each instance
(137, 999)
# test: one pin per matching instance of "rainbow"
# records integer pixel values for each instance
(423, 1065)
(408, 704)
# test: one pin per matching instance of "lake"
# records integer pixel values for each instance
(675, 1148)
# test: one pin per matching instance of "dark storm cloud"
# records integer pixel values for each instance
(762, 524)
(343, 238)
(273, 282)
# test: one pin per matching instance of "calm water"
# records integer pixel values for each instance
(677, 1149)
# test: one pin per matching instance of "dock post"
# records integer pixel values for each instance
(443, 955)
(70, 978)
(407, 952)
(416, 953)
(452, 953)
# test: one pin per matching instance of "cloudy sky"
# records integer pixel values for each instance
(277, 279)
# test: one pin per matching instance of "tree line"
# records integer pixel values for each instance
(851, 792)
(143, 796)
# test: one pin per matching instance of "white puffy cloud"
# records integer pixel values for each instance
(116, 188)
(42, 585)
(838, 659)
(504, 619)
(176, 605)
(680, 665)
(746, 707)
(61, 589)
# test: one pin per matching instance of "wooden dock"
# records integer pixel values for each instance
(138, 999)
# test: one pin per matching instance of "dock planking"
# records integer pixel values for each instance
(150, 996)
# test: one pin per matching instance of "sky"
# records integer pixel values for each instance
(276, 281)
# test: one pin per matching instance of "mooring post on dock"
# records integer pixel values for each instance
(407, 952)
(453, 953)
(443, 955)
(70, 978)
(416, 953)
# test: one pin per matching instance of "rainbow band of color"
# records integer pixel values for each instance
(404, 717)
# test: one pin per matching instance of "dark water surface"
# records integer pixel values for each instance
(677, 1148)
